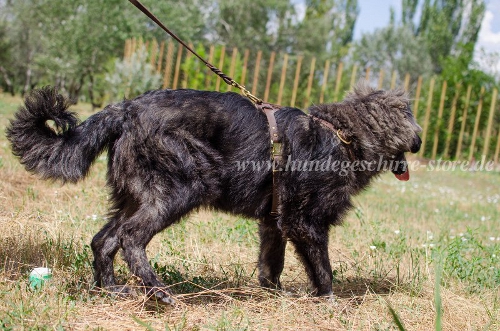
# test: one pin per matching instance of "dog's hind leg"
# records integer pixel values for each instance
(314, 256)
(272, 254)
(104, 245)
(136, 232)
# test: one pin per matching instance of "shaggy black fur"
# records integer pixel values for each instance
(172, 151)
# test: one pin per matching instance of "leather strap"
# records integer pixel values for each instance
(276, 149)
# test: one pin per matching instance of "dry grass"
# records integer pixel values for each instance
(386, 252)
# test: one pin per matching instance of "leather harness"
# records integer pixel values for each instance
(267, 108)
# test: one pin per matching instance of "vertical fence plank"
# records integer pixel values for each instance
(490, 123)
(221, 65)
(497, 150)
(427, 116)
(338, 81)
(282, 78)
(168, 65)
(381, 77)
(296, 81)
(439, 120)
(232, 67)
(159, 63)
(353, 76)
(133, 46)
(367, 73)
(126, 50)
(245, 67)
(256, 72)
(326, 71)
(153, 53)
(393, 79)
(451, 122)
(310, 82)
(177, 67)
(185, 72)
(208, 72)
(417, 97)
(269, 75)
(407, 82)
(476, 124)
(464, 121)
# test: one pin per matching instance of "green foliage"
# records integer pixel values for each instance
(473, 262)
(132, 77)
(393, 48)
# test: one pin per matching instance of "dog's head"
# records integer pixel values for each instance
(393, 131)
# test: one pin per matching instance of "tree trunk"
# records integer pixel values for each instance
(8, 82)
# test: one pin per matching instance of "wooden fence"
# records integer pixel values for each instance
(458, 122)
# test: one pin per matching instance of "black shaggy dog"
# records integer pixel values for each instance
(172, 151)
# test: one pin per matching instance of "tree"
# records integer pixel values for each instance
(446, 25)
(393, 48)
(327, 28)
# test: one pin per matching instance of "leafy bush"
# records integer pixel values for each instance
(132, 77)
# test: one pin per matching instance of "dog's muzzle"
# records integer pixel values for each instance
(417, 142)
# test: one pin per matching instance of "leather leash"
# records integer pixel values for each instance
(267, 108)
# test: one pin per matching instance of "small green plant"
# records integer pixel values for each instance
(473, 262)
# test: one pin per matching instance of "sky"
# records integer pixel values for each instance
(375, 14)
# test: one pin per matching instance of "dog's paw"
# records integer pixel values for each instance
(161, 295)
(330, 298)
(120, 291)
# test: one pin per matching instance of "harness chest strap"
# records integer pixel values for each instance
(276, 150)
(269, 110)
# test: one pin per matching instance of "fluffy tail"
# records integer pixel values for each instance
(67, 152)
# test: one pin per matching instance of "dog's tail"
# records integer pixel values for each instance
(67, 152)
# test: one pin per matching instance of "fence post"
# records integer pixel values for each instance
(185, 72)
(393, 79)
(309, 82)
(296, 81)
(168, 65)
(232, 67)
(269, 76)
(407, 82)
(451, 123)
(177, 67)
(133, 46)
(476, 124)
(325, 81)
(159, 63)
(353, 76)
(497, 150)
(367, 73)
(127, 49)
(221, 65)
(417, 97)
(490, 123)
(464, 121)
(338, 81)
(245, 67)
(427, 116)
(153, 52)
(439, 120)
(208, 72)
(282, 78)
(256, 72)
(381, 77)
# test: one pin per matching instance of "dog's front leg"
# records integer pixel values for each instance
(314, 255)
(272, 254)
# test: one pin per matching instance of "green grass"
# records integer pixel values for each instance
(430, 247)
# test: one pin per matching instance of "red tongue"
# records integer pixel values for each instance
(404, 176)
